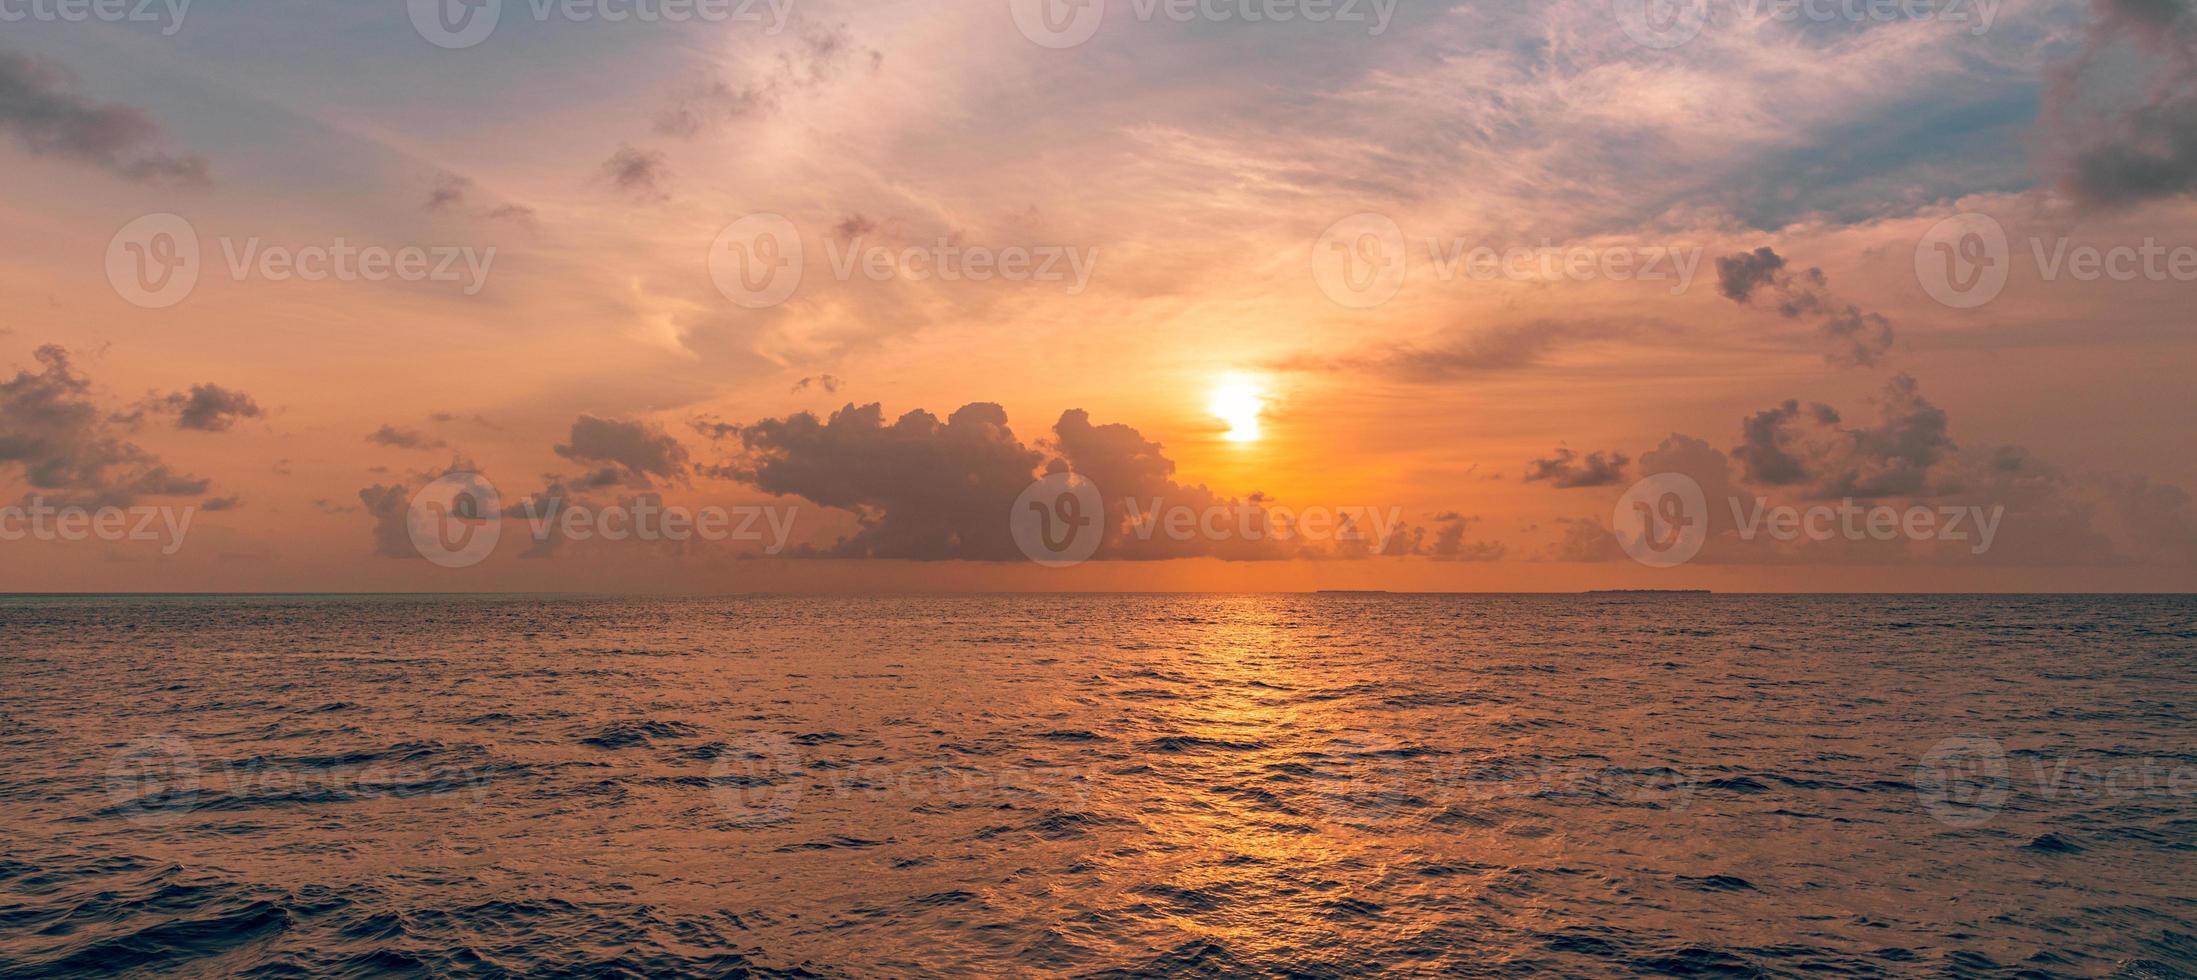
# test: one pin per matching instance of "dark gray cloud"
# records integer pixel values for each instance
(920, 488)
(63, 443)
(40, 109)
(633, 453)
(827, 382)
(1852, 337)
(1567, 470)
(394, 437)
(204, 408)
(2125, 110)
(929, 490)
(642, 174)
(1810, 449)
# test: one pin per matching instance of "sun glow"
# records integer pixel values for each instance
(1238, 401)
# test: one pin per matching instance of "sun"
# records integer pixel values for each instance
(1238, 401)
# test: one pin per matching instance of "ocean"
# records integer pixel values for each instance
(1114, 785)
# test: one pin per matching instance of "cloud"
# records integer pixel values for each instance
(929, 490)
(634, 451)
(1459, 353)
(1809, 448)
(641, 174)
(212, 504)
(1446, 543)
(1567, 471)
(39, 109)
(204, 408)
(2124, 112)
(812, 57)
(1853, 338)
(827, 382)
(920, 488)
(52, 430)
(448, 193)
(389, 435)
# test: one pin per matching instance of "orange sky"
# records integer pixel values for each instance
(1197, 195)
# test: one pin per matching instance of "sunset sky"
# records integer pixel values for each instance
(1745, 222)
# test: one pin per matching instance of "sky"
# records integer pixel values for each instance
(667, 296)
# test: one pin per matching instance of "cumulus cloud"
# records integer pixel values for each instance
(40, 109)
(1809, 448)
(53, 431)
(2125, 110)
(629, 452)
(1852, 337)
(927, 489)
(920, 488)
(1567, 470)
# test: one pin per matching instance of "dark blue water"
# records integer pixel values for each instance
(1109, 785)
